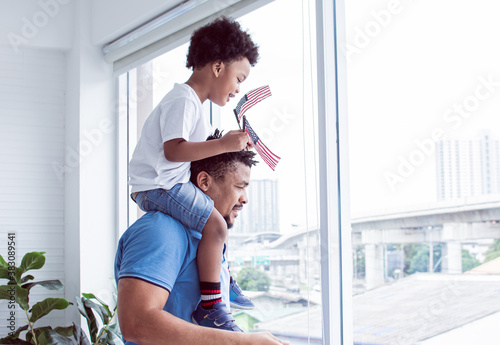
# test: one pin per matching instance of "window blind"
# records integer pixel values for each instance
(171, 29)
(32, 103)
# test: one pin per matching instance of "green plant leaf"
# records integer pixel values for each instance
(48, 284)
(14, 338)
(92, 296)
(16, 333)
(80, 336)
(3, 263)
(29, 338)
(17, 275)
(48, 336)
(8, 341)
(88, 314)
(81, 307)
(26, 278)
(88, 295)
(16, 292)
(4, 273)
(115, 328)
(44, 307)
(38, 332)
(101, 311)
(113, 337)
(32, 261)
(67, 331)
(74, 332)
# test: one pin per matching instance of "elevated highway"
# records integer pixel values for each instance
(449, 223)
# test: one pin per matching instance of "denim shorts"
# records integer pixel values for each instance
(184, 202)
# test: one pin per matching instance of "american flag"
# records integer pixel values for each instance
(250, 99)
(270, 158)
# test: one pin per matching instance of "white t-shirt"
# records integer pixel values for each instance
(178, 115)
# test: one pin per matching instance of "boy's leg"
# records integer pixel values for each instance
(212, 312)
(183, 202)
(153, 200)
(237, 299)
(209, 259)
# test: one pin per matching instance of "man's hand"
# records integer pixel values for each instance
(237, 140)
(266, 338)
(143, 321)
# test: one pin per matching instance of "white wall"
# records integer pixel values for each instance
(113, 18)
(49, 23)
(87, 147)
(41, 24)
(34, 36)
(32, 111)
(91, 131)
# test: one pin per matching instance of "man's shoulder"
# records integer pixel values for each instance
(160, 228)
(156, 249)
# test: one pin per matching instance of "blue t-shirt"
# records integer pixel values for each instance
(160, 250)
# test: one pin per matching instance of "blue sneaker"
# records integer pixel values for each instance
(238, 300)
(219, 317)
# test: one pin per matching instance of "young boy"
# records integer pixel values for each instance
(220, 55)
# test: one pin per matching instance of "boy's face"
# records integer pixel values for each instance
(229, 76)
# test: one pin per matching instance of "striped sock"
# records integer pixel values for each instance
(210, 294)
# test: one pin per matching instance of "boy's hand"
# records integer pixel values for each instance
(236, 140)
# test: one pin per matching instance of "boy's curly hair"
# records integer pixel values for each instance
(223, 39)
(218, 166)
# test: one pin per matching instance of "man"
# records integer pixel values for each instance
(155, 265)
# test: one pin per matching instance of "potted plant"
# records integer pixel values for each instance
(17, 292)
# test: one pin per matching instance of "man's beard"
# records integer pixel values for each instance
(229, 226)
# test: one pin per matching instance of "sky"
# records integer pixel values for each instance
(429, 67)
(418, 71)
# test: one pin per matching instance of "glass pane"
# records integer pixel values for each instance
(273, 248)
(148, 84)
(425, 170)
(277, 233)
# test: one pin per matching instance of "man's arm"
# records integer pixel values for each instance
(143, 321)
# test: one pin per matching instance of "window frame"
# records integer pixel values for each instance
(336, 258)
(335, 238)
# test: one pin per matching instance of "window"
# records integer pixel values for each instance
(423, 106)
(277, 237)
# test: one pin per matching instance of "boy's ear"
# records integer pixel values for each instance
(204, 180)
(217, 67)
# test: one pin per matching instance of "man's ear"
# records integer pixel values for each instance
(217, 67)
(204, 180)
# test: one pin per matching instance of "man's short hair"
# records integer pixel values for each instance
(221, 40)
(218, 166)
